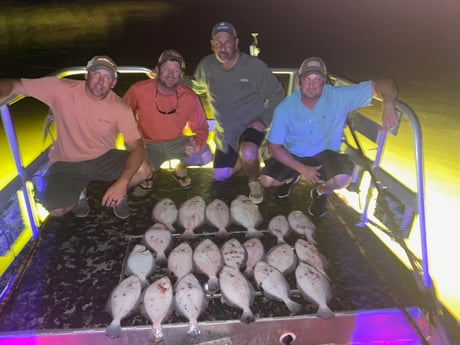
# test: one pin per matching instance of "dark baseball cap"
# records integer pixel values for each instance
(223, 27)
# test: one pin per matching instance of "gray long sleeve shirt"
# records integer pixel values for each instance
(247, 92)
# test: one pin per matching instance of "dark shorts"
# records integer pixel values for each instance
(157, 153)
(65, 180)
(332, 164)
(228, 159)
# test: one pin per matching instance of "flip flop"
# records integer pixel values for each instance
(143, 188)
(147, 185)
(182, 180)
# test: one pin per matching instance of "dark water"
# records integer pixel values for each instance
(414, 42)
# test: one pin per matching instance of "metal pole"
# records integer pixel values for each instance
(14, 147)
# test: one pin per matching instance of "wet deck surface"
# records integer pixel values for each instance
(77, 262)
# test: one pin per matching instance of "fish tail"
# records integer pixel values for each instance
(161, 258)
(311, 239)
(249, 271)
(188, 234)
(156, 336)
(247, 316)
(193, 329)
(325, 313)
(293, 307)
(114, 329)
(144, 282)
(252, 232)
(213, 284)
(222, 232)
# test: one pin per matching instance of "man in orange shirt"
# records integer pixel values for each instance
(89, 116)
(164, 107)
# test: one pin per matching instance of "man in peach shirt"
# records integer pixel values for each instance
(89, 116)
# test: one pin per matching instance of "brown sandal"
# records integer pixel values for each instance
(182, 180)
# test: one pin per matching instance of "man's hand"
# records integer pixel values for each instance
(192, 148)
(257, 125)
(389, 117)
(311, 174)
(387, 90)
(114, 194)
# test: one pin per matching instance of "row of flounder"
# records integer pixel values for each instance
(228, 268)
(194, 212)
(242, 211)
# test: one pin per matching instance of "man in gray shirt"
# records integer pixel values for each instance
(242, 92)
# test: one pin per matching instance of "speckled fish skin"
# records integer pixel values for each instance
(190, 301)
(123, 299)
(180, 260)
(314, 287)
(207, 259)
(218, 215)
(279, 227)
(165, 212)
(282, 257)
(275, 285)
(302, 225)
(158, 240)
(192, 215)
(237, 292)
(255, 251)
(158, 304)
(140, 262)
(308, 253)
(234, 253)
(244, 212)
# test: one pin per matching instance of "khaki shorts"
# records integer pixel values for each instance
(157, 153)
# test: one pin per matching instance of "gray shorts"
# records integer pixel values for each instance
(332, 164)
(157, 153)
(65, 180)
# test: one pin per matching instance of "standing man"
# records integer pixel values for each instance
(89, 116)
(164, 107)
(306, 132)
(242, 93)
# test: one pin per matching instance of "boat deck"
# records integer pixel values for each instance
(68, 274)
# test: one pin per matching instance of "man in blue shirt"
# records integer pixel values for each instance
(307, 128)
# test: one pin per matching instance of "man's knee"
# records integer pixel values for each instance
(222, 174)
(59, 212)
(144, 171)
(341, 181)
(206, 157)
(266, 181)
(249, 152)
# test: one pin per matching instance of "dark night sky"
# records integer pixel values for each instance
(406, 36)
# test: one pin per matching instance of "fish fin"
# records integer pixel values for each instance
(114, 329)
(325, 313)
